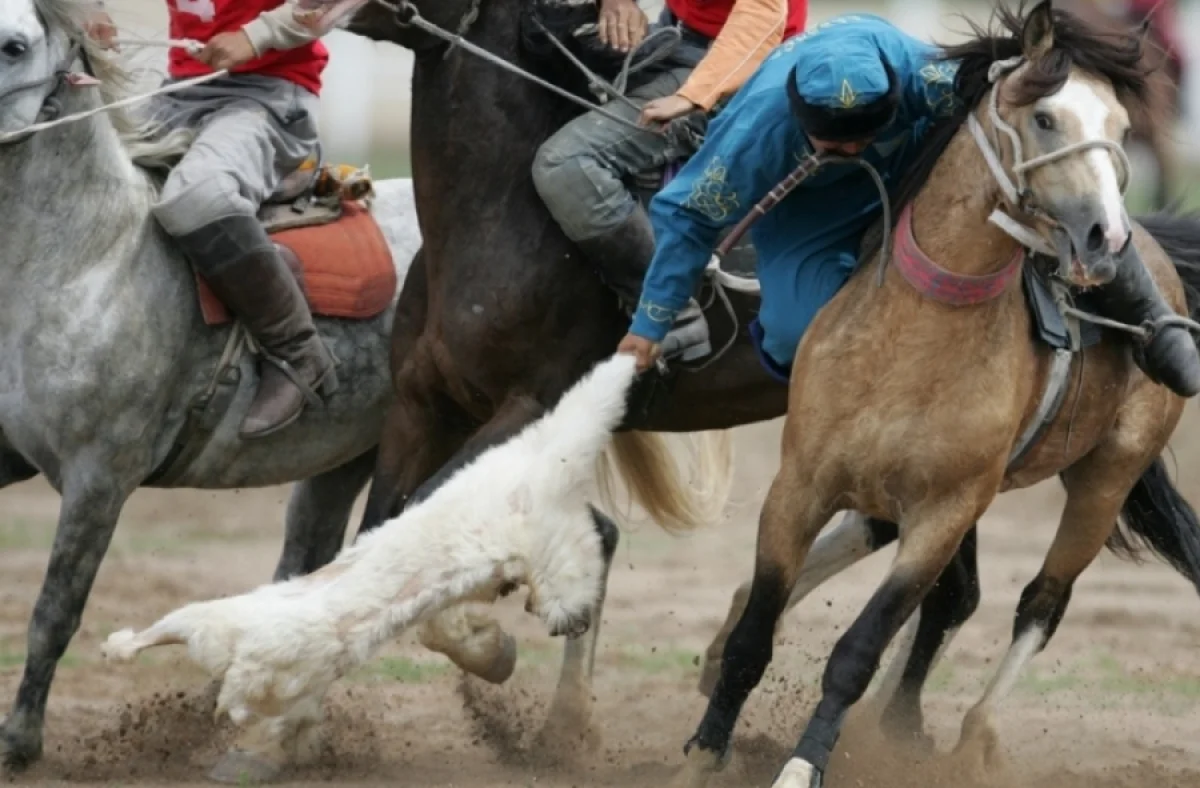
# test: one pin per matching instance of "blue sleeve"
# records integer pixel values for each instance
(749, 148)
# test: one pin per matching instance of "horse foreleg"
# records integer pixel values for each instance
(855, 537)
(421, 431)
(1096, 489)
(91, 505)
(791, 518)
(953, 599)
(929, 543)
(569, 719)
(317, 516)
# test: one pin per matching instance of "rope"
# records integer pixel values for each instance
(125, 102)
(189, 44)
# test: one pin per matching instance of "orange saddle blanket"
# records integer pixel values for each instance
(344, 268)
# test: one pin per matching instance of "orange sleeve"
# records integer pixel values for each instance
(753, 29)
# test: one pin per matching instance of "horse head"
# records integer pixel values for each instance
(1057, 120)
(36, 53)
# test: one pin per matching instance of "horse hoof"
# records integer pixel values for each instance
(568, 730)
(238, 767)
(695, 773)
(18, 753)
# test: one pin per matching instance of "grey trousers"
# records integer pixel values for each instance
(252, 131)
(579, 171)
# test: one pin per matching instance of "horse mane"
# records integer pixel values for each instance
(1116, 57)
(143, 139)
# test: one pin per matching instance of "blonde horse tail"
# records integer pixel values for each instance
(649, 470)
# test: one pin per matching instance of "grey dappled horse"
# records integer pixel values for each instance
(102, 345)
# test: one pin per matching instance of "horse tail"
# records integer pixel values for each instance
(1179, 236)
(647, 466)
(1157, 518)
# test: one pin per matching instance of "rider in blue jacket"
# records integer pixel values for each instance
(854, 85)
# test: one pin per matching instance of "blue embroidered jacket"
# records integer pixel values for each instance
(756, 141)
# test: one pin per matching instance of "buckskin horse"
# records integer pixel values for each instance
(882, 421)
(119, 370)
(500, 313)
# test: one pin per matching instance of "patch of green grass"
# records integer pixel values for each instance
(1105, 675)
(657, 661)
(404, 670)
(15, 658)
(19, 533)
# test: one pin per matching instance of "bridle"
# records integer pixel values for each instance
(61, 77)
(1015, 188)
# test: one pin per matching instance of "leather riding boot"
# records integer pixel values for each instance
(245, 270)
(621, 257)
(1170, 357)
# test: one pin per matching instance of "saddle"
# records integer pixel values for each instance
(320, 221)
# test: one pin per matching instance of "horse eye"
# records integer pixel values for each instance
(1043, 120)
(14, 48)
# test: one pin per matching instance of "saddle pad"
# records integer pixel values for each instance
(344, 267)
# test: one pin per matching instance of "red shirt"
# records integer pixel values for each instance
(202, 19)
(707, 17)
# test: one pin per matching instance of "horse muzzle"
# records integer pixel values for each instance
(1096, 242)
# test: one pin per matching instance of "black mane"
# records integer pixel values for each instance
(1114, 57)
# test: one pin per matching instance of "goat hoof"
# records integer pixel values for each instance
(504, 664)
(238, 767)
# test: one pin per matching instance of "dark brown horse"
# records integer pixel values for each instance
(500, 314)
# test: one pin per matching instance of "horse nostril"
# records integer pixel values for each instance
(1096, 238)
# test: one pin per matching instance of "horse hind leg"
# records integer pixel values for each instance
(855, 537)
(1096, 487)
(318, 514)
(569, 721)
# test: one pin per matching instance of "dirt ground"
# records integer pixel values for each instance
(1110, 704)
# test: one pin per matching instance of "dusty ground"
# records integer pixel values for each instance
(1112, 702)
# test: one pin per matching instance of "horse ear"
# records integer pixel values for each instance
(1037, 38)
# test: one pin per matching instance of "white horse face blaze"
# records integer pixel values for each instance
(1097, 116)
(1082, 189)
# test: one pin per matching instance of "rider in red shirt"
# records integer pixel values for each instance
(252, 128)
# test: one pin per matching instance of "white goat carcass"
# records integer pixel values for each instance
(518, 514)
